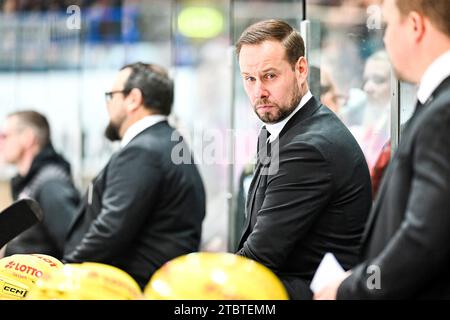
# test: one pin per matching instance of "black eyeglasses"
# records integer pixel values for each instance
(109, 95)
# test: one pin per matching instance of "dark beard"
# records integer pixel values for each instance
(280, 116)
(112, 133)
(282, 112)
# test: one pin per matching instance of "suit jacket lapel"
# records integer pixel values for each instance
(304, 113)
(87, 198)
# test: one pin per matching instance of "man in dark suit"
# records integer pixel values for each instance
(311, 192)
(406, 245)
(145, 207)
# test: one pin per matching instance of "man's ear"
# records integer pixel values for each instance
(28, 137)
(301, 69)
(417, 25)
(134, 99)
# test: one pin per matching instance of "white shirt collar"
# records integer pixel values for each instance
(275, 128)
(140, 126)
(436, 72)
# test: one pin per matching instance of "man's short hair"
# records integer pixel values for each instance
(277, 30)
(436, 10)
(155, 85)
(36, 121)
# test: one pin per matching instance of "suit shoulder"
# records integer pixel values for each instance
(155, 137)
(323, 130)
(435, 121)
(142, 149)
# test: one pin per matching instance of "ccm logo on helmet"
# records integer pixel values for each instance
(14, 291)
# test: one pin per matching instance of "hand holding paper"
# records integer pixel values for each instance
(329, 275)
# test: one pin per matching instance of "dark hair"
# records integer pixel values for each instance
(154, 83)
(274, 30)
(436, 10)
(37, 121)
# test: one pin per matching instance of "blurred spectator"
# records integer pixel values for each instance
(9, 6)
(104, 20)
(328, 93)
(370, 123)
(130, 15)
(42, 175)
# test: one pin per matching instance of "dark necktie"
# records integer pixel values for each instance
(263, 158)
(263, 144)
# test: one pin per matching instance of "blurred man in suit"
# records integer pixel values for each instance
(406, 245)
(144, 208)
(310, 192)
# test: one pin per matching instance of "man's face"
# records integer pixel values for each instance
(116, 107)
(377, 82)
(269, 80)
(397, 40)
(13, 144)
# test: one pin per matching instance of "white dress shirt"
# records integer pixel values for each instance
(436, 72)
(140, 126)
(275, 128)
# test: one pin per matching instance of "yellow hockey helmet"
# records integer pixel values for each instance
(217, 276)
(86, 281)
(19, 273)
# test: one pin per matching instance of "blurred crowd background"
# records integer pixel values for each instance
(48, 65)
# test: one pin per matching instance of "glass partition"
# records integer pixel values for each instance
(202, 76)
(355, 73)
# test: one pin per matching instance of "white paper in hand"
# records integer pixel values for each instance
(329, 269)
